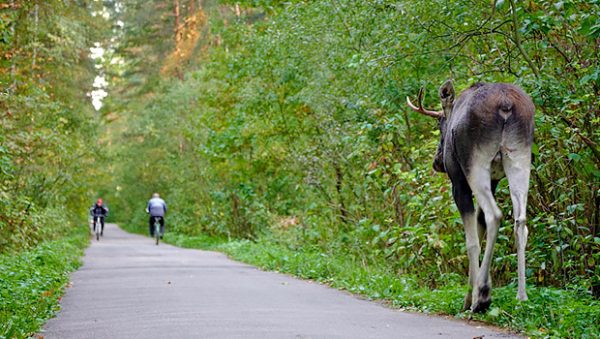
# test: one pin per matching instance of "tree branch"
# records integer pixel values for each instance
(591, 144)
(517, 40)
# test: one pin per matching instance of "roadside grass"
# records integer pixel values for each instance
(32, 283)
(549, 313)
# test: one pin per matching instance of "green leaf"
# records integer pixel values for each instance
(494, 312)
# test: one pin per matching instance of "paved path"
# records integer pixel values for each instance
(130, 288)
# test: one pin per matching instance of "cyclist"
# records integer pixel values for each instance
(157, 209)
(100, 211)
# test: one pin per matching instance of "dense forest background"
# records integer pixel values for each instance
(48, 128)
(286, 121)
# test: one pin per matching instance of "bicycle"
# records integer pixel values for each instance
(157, 229)
(97, 227)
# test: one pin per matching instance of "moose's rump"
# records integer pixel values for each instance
(489, 121)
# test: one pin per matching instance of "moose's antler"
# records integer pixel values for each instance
(420, 109)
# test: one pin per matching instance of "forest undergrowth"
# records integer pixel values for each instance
(33, 281)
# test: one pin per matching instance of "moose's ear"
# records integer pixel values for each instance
(447, 90)
(447, 97)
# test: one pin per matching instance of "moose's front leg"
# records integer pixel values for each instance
(464, 201)
(473, 252)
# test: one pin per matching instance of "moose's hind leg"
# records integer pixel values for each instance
(517, 165)
(481, 216)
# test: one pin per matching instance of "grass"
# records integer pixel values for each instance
(32, 283)
(550, 312)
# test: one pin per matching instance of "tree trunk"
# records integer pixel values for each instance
(35, 33)
(238, 12)
(235, 213)
(595, 288)
(177, 32)
(176, 13)
(339, 176)
(13, 66)
(398, 208)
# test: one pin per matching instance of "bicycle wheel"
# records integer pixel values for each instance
(97, 229)
(157, 231)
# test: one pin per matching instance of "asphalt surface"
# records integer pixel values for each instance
(130, 288)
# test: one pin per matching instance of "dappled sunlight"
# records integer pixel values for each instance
(186, 38)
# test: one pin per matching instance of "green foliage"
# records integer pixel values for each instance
(48, 127)
(32, 282)
(47, 152)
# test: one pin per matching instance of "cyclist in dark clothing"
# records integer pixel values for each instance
(100, 211)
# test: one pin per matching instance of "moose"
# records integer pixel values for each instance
(486, 134)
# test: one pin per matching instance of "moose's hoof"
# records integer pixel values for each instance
(484, 300)
(482, 306)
